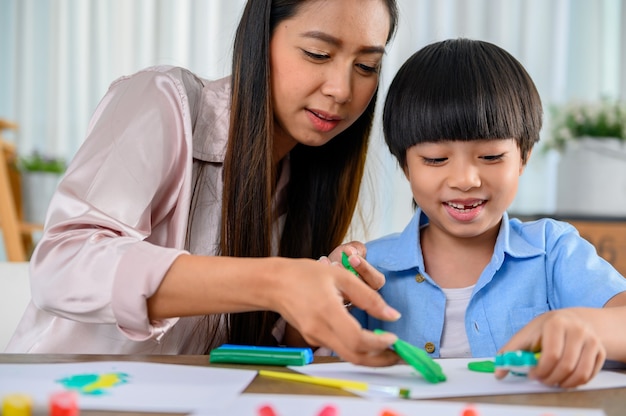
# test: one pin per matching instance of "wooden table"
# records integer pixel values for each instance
(612, 401)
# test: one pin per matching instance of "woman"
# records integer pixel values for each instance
(192, 198)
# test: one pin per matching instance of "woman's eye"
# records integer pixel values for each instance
(491, 158)
(315, 56)
(368, 69)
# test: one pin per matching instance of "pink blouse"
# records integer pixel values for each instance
(121, 215)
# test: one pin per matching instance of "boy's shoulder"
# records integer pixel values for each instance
(545, 226)
(542, 232)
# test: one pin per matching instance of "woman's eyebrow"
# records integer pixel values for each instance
(325, 37)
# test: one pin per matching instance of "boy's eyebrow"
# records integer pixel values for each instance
(325, 37)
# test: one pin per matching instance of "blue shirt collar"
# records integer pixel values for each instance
(405, 252)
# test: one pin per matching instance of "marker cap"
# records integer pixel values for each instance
(17, 404)
(64, 403)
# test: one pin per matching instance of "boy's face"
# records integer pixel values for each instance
(464, 187)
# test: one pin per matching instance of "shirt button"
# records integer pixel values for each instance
(419, 278)
(429, 347)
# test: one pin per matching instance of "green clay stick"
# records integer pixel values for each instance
(346, 263)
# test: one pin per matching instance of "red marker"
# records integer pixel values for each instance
(470, 411)
(267, 410)
(329, 411)
(388, 412)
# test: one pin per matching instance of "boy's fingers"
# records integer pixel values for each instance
(351, 248)
(367, 272)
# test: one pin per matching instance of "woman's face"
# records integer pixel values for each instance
(325, 64)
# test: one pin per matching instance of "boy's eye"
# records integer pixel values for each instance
(434, 160)
(491, 158)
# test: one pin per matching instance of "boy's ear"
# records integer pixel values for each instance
(405, 169)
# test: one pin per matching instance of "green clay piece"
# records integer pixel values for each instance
(418, 359)
(487, 366)
(346, 263)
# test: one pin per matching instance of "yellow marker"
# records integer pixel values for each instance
(17, 405)
(349, 385)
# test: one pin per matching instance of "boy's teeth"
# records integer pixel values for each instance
(461, 206)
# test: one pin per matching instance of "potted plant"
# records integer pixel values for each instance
(591, 138)
(587, 119)
(40, 177)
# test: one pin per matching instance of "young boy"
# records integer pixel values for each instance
(461, 117)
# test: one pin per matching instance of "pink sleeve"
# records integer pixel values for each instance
(118, 219)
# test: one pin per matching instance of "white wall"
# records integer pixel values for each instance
(15, 290)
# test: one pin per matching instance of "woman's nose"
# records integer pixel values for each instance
(338, 85)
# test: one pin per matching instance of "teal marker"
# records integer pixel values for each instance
(517, 362)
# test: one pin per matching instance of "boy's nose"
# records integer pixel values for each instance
(464, 177)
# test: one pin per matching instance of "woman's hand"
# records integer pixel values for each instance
(572, 352)
(310, 297)
(308, 294)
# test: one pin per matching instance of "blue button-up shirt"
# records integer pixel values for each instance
(536, 267)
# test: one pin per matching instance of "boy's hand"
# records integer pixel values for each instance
(356, 252)
(571, 350)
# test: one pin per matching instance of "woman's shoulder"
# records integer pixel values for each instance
(179, 76)
(185, 80)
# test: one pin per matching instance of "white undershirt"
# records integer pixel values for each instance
(454, 342)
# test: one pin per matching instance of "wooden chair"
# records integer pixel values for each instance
(17, 234)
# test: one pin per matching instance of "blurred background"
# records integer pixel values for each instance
(58, 57)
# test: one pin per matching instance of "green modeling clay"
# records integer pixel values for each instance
(418, 359)
(346, 264)
(487, 366)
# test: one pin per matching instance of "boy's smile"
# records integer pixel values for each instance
(464, 210)
(464, 187)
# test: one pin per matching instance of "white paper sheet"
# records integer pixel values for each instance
(460, 381)
(287, 405)
(147, 387)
